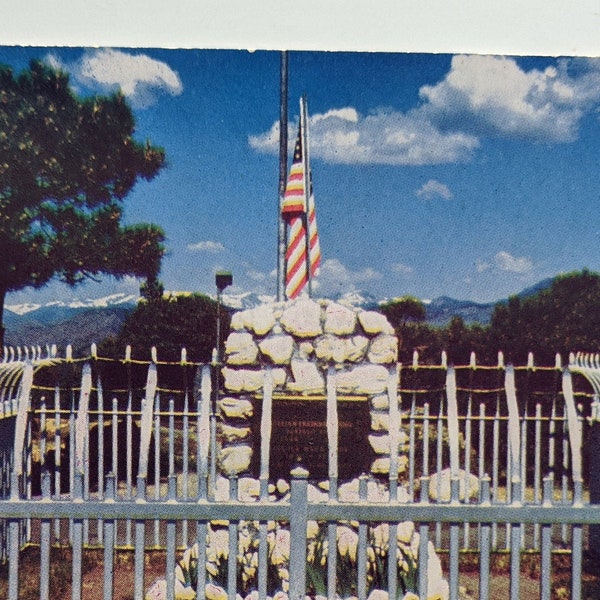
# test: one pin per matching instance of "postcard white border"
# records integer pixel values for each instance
(543, 27)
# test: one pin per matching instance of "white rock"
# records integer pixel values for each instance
(248, 489)
(261, 319)
(234, 459)
(242, 380)
(373, 322)
(314, 494)
(381, 465)
(356, 348)
(330, 348)
(380, 421)
(363, 379)
(240, 349)
(282, 486)
(383, 350)
(381, 443)
(439, 485)
(306, 377)
(349, 492)
(381, 402)
(279, 376)
(305, 350)
(238, 320)
(339, 320)
(302, 318)
(437, 586)
(236, 408)
(230, 434)
(278, 348)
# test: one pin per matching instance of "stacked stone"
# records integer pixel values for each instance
(298, 341)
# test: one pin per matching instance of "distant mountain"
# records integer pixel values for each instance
(83, 322)
(441, 310)
(81, 329)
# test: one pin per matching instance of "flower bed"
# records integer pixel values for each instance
(278, 542)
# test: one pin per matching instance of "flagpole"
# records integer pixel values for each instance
(283, 142)
(307, 183)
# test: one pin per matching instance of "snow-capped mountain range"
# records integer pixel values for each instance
(82, 321)
(112, 300)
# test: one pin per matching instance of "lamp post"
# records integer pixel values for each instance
(223, 279)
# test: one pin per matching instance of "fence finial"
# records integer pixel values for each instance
(415, 359)
(444, 359)
(501, 359)
(154, 354)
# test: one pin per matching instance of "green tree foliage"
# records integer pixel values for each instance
(407, 316)
(66, 164)
(563, 318)
(170, 324)
(402, 311)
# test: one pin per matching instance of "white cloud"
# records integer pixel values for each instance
(481, 265)
(346, 114)
(256, 275)
(433, 188)
(402, 269)
(479, 96)
(493, 95)
(387, 137)
(141, 78)
(206, 246)
(507, 262)
(335, 278)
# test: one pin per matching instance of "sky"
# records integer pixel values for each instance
(470, 176)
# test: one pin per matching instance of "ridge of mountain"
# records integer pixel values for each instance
(83, 322)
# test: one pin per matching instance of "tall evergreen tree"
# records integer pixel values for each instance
(66, 164)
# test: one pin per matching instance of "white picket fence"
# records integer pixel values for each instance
(115, 455)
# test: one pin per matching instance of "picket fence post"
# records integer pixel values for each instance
(298, 517)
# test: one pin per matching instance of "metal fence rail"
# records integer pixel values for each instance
(115, 455)
(295, 512)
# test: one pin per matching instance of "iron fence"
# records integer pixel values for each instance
(115, 455)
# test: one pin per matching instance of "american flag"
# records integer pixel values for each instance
(302, 258)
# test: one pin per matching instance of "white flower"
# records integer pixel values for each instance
(281, 547)
(405, 532)
(378, 595)
(381, 536)
(214, 592)
(347, 540)
(312, 529)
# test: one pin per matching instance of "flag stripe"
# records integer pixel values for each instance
(300, 260)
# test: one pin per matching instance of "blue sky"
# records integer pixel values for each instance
(467, 176)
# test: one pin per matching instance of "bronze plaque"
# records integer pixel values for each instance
(300, 432)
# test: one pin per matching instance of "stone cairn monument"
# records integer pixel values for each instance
(299, 341)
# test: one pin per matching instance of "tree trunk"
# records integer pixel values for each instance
(2, 328)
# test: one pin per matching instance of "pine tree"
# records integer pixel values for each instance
(66, 165)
